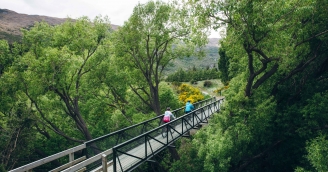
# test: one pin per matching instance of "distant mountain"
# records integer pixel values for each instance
(188, 63)
(11, 22)
(213, 42)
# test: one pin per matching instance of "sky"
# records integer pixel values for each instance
(118, 11)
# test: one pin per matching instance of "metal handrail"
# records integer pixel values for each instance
(125, 133)
(147, 121)
(88, 161)
(100, 144)
(197, 104)
(91, 144)
(69, 152)
(197, 117)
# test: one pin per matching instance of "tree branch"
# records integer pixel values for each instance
(250, 160)
(53, 126)
(300, 67)
(141, 98)
(319, 34)
(266, 76)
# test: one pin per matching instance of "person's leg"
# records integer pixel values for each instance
(164, 133)
(190, 117)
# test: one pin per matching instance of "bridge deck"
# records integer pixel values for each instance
(155, 144)
(132, 145)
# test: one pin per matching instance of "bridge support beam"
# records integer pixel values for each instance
(203, 124)
(196, 127)
(104, 162)
(171, 146)
(153, 161)
(174, 153)
(155, 165)
(186, 135)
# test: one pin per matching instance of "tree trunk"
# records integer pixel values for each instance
(155, 99)
(174, 153)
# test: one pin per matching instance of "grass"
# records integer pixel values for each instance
(216, 83)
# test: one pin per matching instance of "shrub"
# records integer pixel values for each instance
(2, 168)
(177, 84)
(168, 98)
(208, 84)
(194, 82)
(187, 92)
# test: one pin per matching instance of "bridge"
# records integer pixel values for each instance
(126, 149)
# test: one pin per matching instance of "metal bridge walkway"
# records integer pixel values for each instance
(156, 140)
(126, 149)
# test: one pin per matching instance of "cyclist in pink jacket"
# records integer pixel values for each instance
(168, 115)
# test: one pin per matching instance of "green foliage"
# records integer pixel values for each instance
(187, 63)
(16, 134)
(11, 38)
(5, 56)
(189, 159)
(47, 90)
(193, 75)
(220, 90)
(59, 62)
(17, 121)
(79, 81)
(223, 66)
(140, 117)
(176, 84)
(277, 85)
(168, 98)
(2, 168)
(149, 41)
(208, 84)
(193, 82)
(318, 153)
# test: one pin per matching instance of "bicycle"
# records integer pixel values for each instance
(164, 130)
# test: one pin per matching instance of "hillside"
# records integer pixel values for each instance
(11, 22)
(187, 63)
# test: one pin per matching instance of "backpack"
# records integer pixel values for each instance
(166, 119)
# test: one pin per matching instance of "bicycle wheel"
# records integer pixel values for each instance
(172, 127)
(164, 133)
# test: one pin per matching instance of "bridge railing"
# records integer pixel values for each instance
(103, 143)
(130, 154)
(148, 143)
(100, 144)
(69, 152)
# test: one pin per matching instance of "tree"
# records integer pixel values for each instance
(15, 122)
(223, 66)
(5, 56)
(277, 53)
(54, 69)
(155, 34)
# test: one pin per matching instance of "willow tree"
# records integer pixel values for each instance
(53, 74)
(15, 123)
(278, 63)
(154, 35)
